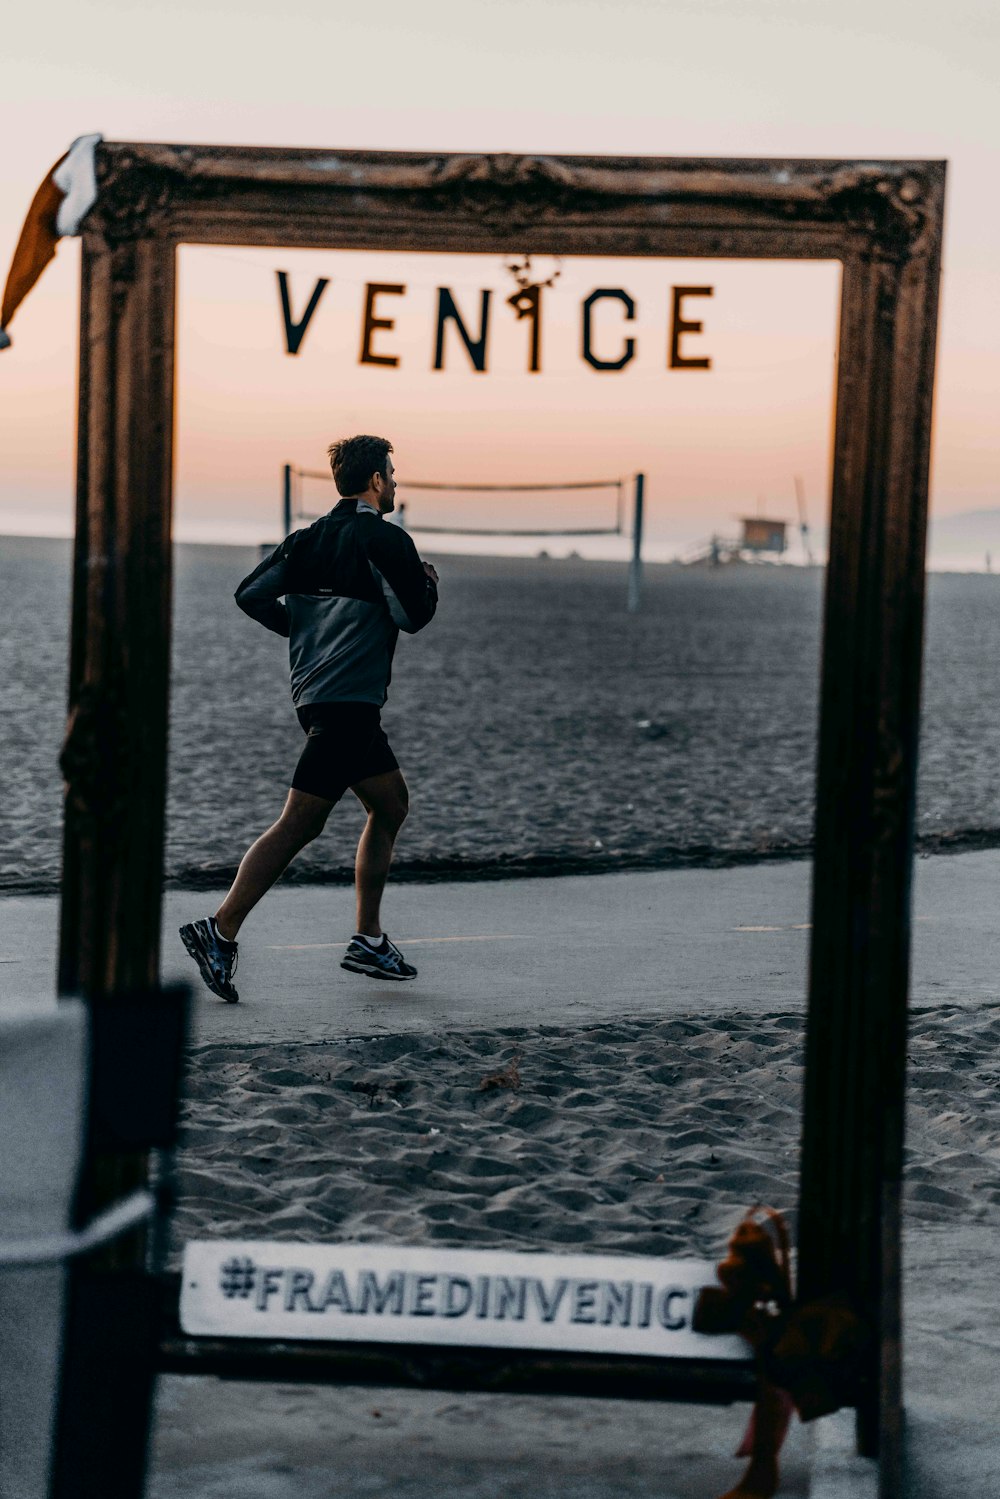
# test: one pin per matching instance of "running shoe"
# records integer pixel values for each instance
(215, 957)
(380, 961)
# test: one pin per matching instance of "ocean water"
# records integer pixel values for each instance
(538, 724)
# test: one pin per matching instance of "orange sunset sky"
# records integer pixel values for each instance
(716, 77)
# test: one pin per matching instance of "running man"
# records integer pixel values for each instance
(350, 584)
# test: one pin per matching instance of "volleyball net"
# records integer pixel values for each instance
(606, 496)
(446, 509)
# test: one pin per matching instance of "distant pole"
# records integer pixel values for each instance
(635, 566)
(287, 498)
(800, 496)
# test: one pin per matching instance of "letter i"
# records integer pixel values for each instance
(482, 1295)
(645, 1305)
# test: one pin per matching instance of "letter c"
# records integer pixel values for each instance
(671, 1320)
(614, 294)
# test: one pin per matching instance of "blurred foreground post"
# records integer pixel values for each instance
(43, 1080)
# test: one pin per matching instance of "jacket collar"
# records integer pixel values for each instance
(360, 506)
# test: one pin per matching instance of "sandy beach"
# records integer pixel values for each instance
(628, 1138)
(636, 1137)
(541, 727)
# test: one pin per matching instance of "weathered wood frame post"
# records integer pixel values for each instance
(883, 221)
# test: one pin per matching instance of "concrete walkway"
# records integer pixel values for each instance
(554, 951)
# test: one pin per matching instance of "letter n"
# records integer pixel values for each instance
(295, 332)
(447, 311)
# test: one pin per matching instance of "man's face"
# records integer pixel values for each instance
(386, 488)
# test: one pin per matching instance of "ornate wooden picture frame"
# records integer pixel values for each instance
(883, 221)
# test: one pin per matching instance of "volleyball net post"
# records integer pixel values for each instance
(293, 513)
(286, 498)
(635, 564)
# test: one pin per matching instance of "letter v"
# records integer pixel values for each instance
(296, 332)
(547, 1307)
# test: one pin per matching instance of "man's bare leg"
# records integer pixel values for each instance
(302, 820)
(386, 800)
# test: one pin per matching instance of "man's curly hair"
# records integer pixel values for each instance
(355, 459)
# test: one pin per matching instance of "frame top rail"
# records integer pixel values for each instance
(191, 191)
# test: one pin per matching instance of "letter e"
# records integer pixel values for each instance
(373, 290)
(679, 326)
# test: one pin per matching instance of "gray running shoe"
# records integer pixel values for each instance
(379, 962)
(215, 957)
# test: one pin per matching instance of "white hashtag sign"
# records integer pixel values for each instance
(477, 1298)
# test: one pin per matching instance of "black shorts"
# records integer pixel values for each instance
(345, 744)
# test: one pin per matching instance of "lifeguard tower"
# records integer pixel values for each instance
(760, 535)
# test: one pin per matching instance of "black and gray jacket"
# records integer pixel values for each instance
(351, 581)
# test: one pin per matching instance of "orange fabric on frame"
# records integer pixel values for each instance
(36, 246)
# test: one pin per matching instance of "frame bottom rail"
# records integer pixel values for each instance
(493, 1370)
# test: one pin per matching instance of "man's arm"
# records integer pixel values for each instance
(259, 593)
(410, 592)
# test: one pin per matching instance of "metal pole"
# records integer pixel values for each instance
(287, 498)
(635, 566)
